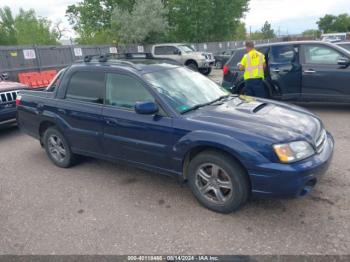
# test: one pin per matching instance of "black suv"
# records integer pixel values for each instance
(298, 71)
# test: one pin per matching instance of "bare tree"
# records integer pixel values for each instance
(60, 29)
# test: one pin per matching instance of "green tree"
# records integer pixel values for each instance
(205, 20)
(333, 24)
(267, 31)
(33, 30)
(7, 27)
(91, 19)
(144, 23)
(312, 33)
(241, 32)
(25, 28)
(257, 35)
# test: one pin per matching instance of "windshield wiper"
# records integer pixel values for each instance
(204, 104)
(193, 108)
(219, 99)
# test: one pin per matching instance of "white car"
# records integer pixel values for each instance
(187, 55)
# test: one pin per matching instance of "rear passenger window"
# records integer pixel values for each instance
(283, 54)
(165, 50)
(125, 91)
(160, 50)
(87, 86)
(236, 58)
(317, 54)
(55, 81)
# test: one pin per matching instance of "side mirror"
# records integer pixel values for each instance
(146, 108)
(343, 62)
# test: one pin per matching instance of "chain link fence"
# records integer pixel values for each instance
(17, 59)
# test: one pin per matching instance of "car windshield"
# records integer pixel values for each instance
(186, 48)
(185, 89)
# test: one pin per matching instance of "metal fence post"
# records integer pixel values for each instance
(37, 57)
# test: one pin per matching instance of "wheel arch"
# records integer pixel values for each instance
(44, 125)
(188, 61)
(198, 149)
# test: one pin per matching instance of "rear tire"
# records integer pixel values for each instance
(218, 182)
(57, 148)
(205, 71)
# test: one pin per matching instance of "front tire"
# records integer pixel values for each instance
(57, 148)
(205, 71)
(218, 182)
(193, 66)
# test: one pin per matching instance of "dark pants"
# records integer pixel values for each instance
(255, 87)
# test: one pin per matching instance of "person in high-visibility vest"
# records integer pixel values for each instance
(253, 63)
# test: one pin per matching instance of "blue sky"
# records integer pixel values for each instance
(292, 16)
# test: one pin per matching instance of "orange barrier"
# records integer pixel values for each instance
(37, 79)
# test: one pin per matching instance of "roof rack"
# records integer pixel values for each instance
(122, 58)
(106, 57)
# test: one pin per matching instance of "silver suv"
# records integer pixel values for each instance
(187, 55)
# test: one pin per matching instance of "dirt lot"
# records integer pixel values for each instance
(98, 207)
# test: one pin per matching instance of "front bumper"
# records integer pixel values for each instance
(206, 63)
(275, 180)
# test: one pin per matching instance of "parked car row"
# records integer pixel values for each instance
(298, 71)
(222, 57)
(164, 117)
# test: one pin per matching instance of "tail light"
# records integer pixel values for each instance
(18, 100)
(225, 70)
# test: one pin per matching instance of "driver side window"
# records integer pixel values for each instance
(317, 54)
(124, 91)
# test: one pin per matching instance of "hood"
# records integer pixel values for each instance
(274, 121)
(6, 86)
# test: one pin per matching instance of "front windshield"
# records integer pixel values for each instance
(184, 89)
(186, 48)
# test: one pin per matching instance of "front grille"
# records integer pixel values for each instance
(8, 96)
(321, 141)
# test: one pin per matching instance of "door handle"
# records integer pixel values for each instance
(111, 122)
(276, 70)
(309, 71)
(62, 111)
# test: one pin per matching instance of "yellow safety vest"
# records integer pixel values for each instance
(253, 63)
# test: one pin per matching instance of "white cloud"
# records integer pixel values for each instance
(279, 11)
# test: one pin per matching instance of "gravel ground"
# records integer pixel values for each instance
(98, 207)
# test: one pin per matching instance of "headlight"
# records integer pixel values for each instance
(293, 151)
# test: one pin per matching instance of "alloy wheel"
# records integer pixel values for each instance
(214, 183)
(56, 148)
